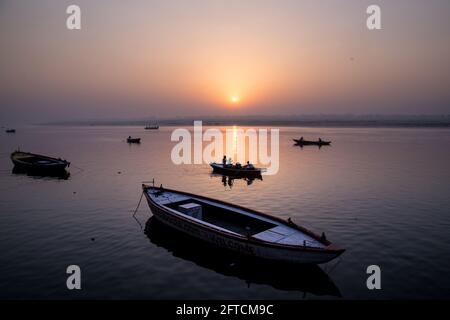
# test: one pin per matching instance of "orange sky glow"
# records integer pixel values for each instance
(186, 58)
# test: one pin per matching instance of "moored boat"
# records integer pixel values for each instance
(10, 130)
(301, 142)
(242, 230)
(133, 140)
(38, 163)
(233, 170)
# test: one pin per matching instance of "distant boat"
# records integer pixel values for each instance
(133, 140)
(232, 170)
(27, 161)
(10, 130)
(301, 142)
(152, 127)
(241, 230)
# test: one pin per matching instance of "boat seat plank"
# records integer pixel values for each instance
(269, 236)
(299, 239)
(286, 235)
(283, 230)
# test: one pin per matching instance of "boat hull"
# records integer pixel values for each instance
(311, 143)
(235, 172)
(240, 245)
(47, 164)
(134, 140)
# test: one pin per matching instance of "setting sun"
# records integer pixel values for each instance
(234, 99)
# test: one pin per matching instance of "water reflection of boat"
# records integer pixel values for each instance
(229, 180)
(286, 277)
(59, 175)
(239, 229)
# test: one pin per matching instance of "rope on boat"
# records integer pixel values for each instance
(78, 168)
(138, 205)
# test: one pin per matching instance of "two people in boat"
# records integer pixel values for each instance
(301, 139)
(229, 164)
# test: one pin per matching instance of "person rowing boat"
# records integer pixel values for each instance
(249, 166)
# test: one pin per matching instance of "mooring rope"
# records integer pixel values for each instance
(139, 203)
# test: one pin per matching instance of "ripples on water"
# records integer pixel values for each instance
(383, 194)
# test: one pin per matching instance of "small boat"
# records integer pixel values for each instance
(37, 163)
(10, 130)
(133, 140)
(233, 171)
(152, 127)
(311, 143)
(241, 230)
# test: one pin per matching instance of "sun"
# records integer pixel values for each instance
(234, 99)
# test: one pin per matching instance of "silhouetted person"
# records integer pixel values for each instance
(224, 161)
(323, 238)
(301, 139)
(249, 166)
(320, 140)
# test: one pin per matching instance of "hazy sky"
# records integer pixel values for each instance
(168, 58)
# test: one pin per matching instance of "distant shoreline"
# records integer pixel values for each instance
(427, 122)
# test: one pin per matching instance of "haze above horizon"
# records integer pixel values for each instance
(174, 58)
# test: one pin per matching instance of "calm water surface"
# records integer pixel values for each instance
(382, 193)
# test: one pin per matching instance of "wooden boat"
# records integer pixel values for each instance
(37, 163)
(10, 130)
(238, 229)
(152, 127)
(281, 276)
(311, 143)
(133, 140)
(231, 170)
